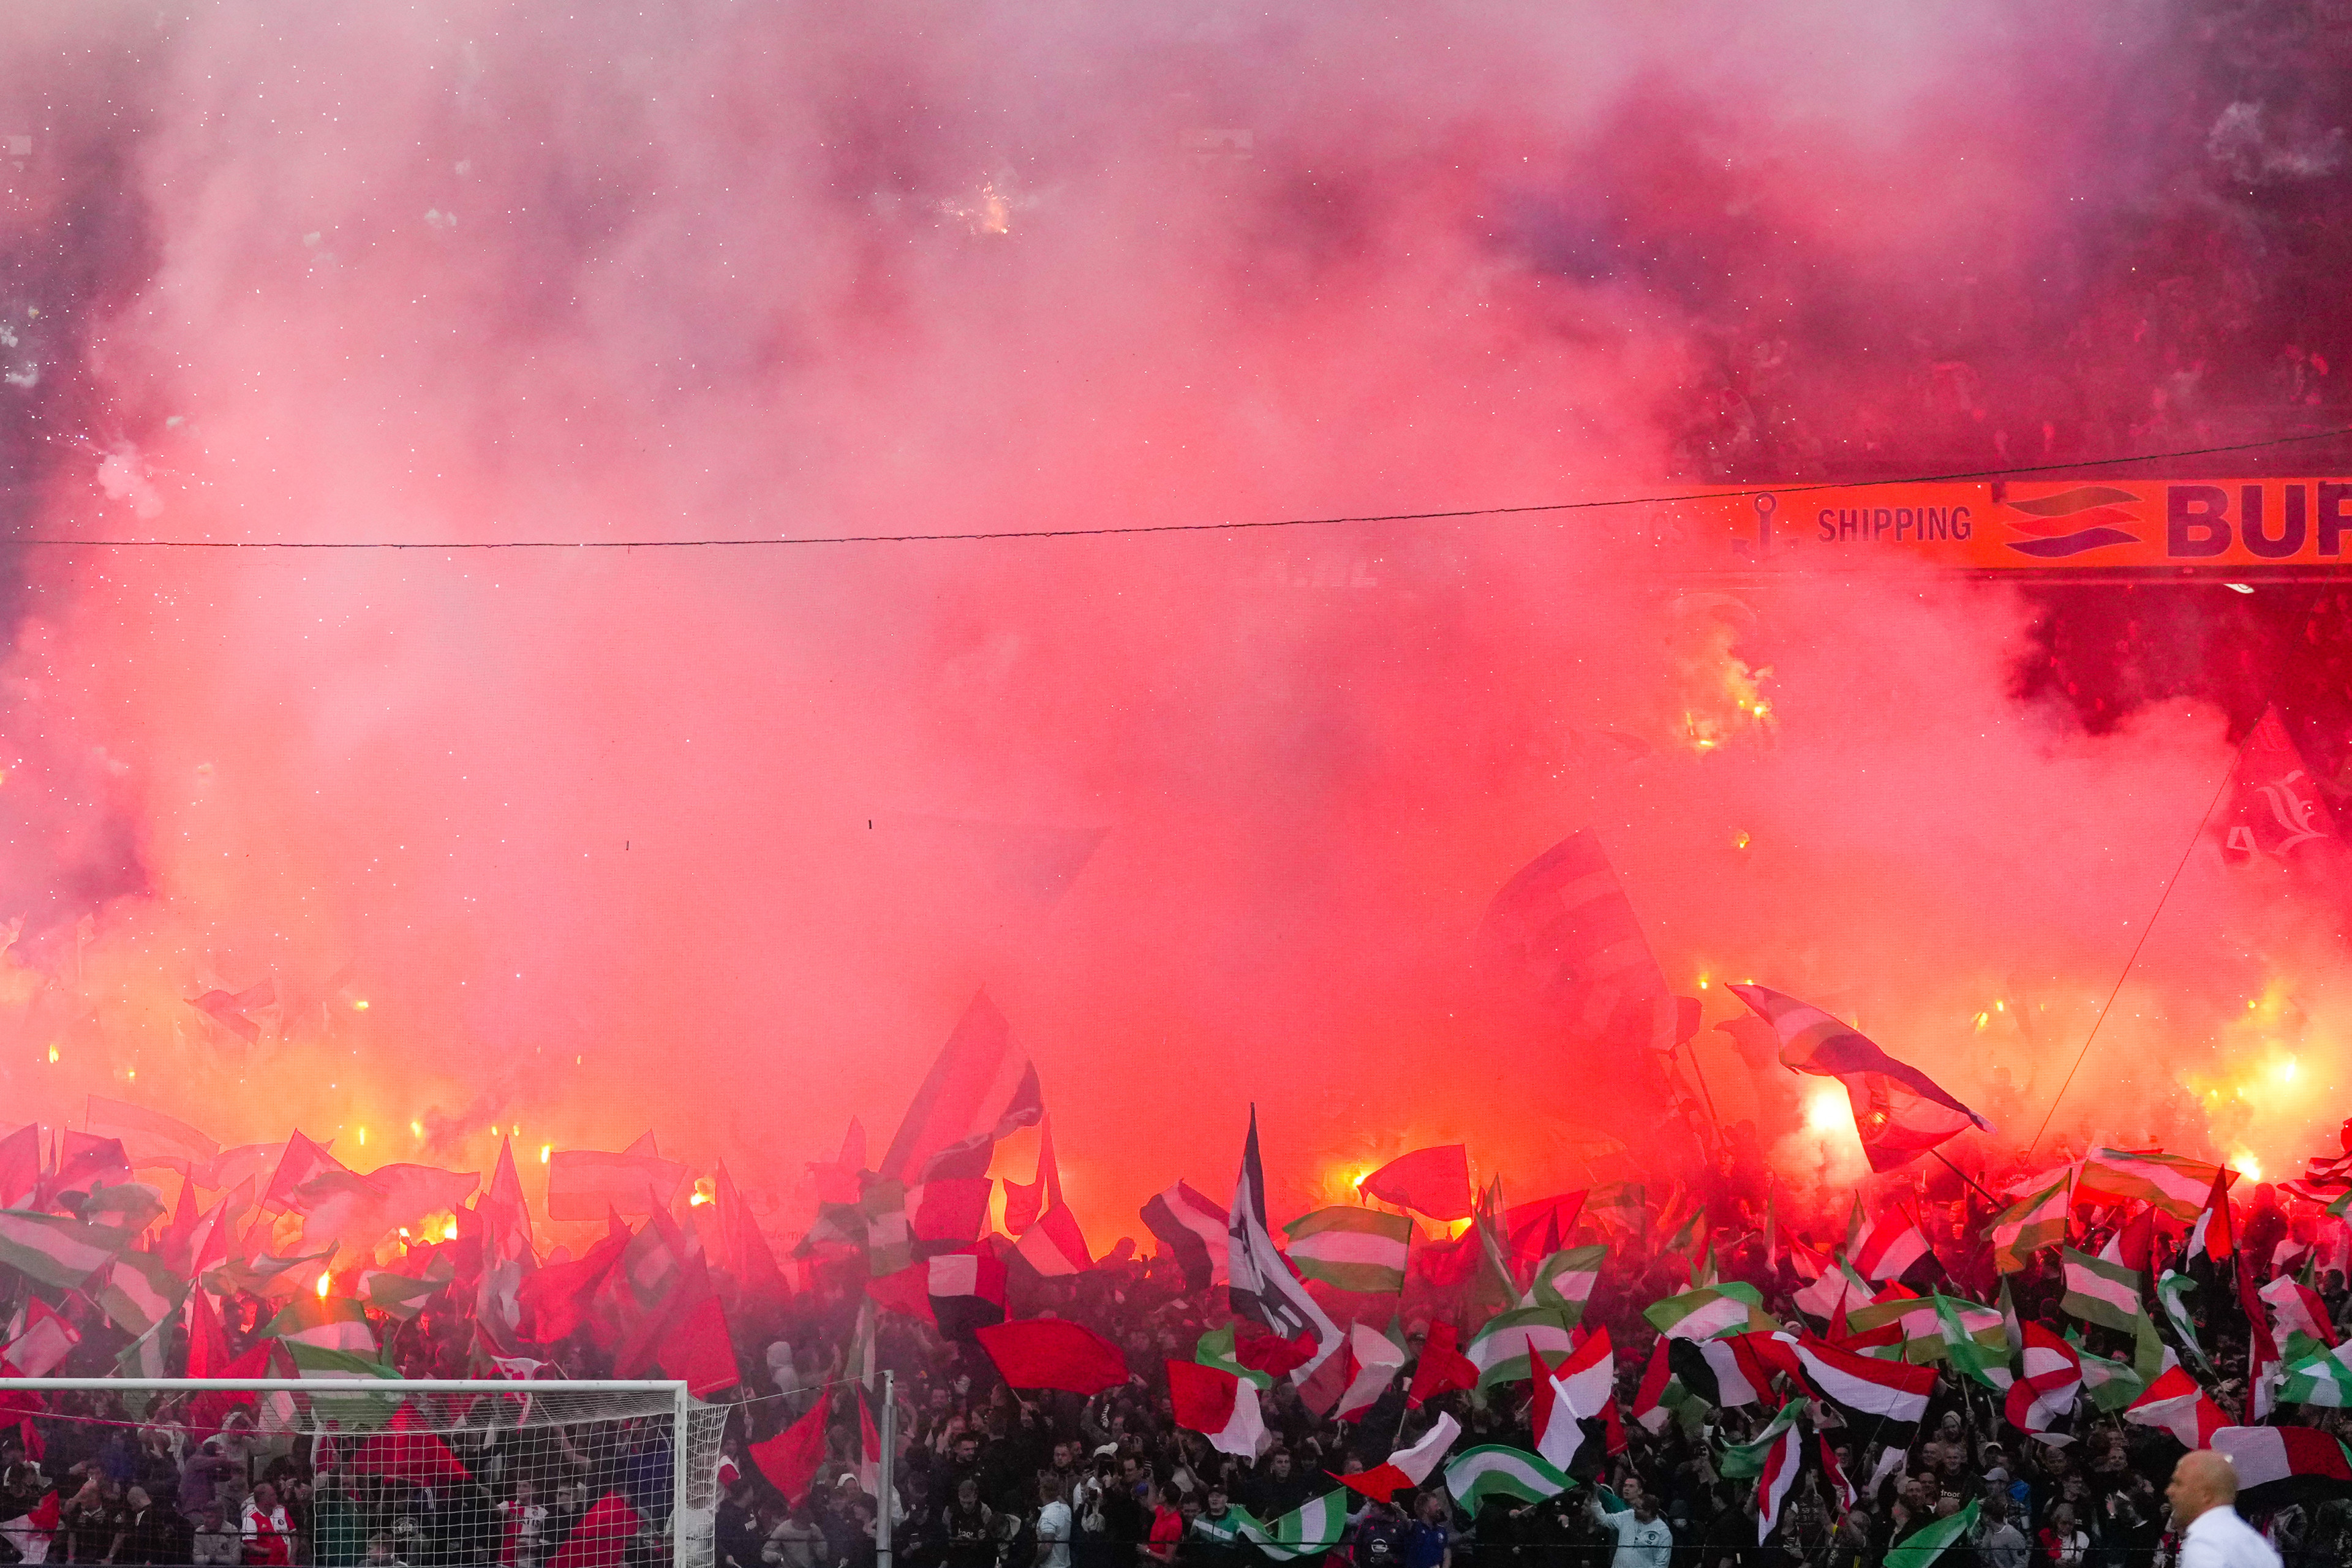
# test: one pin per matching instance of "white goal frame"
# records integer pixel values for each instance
(692, 1514)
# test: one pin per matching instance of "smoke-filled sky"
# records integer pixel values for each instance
(720, 841)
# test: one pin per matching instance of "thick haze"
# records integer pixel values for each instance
(720, 841)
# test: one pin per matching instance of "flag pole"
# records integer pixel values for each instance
(1971, 1181)
(885, 1480)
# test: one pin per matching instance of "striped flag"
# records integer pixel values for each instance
(150, 1137)
(2100, 1292)
(2170, 1287)
(2177, 1402)
(140, 1292)
(1581, 1389)
(1192, 1230)
(2324, 1379)
(1564, 1281)
(324, 1322)
(1259, 1282)
(1621, 1206)
(1782, 1460)
(2215, 1234)
(45, 1339)
(1746, 1461)
(1374, 1362)
(982, 1086)
(1725, 1373)
(1865, 1390)
(1492, 1469)
(1923, 1546)
(1499, 1350)
(1838, 1286)
(2281, 1465)
(2169, 1182)
(55, 1250)
(1731, 1307)
(1890, 1247)
(1313, 1527)
(2296, 1308)
(1406, 1466)
(1352, 1248)
(2113, 1386)
(2049, 1375)
(2027, 1227)
(1564, 927)
(1899, 1113)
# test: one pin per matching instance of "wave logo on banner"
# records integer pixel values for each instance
(2071, 521)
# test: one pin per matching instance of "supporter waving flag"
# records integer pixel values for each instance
(1262, 1284)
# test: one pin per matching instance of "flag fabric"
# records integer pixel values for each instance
(1619, 1206)
(1314, 1527)
(1733, 1306)
(2170, 1290)
(2324, 1379)
(1889, 1248)
(2262, 1351)
(2113, 1386)
(1352, 1248)
(1842, 1491)
(208, 1354)
(1838, 1290)
(2049, 1375)
(1564, 1281)
(1373, 1362)
(300, 1160)
(1550, 1417)
(150, 1137)
(953, 1209)
(1407, 1467)
(140, 1291)
(2281, 1465)
(967, 1291)
(2030, 1224)
(1053, 1246)
(2100, 1292)
(1493, 1470)
(1746, 1461)
(584, 1184)
(1500, 1349)
(1867, 1390)
(2169, 1182)
(1977, 1349)
(55, 1250)
(1260, 1283)
(1533, 1232)
(2296, 1308)
(1192, 1229)
(2215, 1234)
(1725, 1373)
(20, 1164)
(1433, 1182)
(1025, 1201)
(2177, 1402)
(1658, 1396)
(1440, 1368)
(1899, 1113)
(2276, 811)
(1563, 927)
(982, 1088)
(45, 1339)
(1217, 1404)
(1923, 1546)
(1050, 1352)
(1573, 1397)
(790, 1458)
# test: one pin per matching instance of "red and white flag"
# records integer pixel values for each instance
(982, 1088)
(1782, 1463)
(2178, 1404)
(2281, 1465)
(1889, 1248)
(1899, 1112)
(1866, 1391)
(1217, 1404)
(1406, 1466)
(1052, 1246)
(1374, 1362)
(2050, 1376)
(1192, 1230)
(1563, 928)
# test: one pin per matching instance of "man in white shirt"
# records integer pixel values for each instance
(1052, 1523)
(2204, 1487)
(1643, 1538)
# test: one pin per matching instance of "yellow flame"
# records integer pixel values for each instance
(2248, 1168)
(53, 1053)
(1740, 840)
(363, 1137)
(416, 1128)
(704, 1190)
(322, 1285)
(450, 1231)
(1825, 1109)
(544, 1151)
(359, 1005)
(1982, 1020)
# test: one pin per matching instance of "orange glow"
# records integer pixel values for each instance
(450, 1231)
(1826, 1108)
(322, 1285)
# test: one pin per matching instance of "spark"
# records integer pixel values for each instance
(363, 1137)
(1982, 1020)
(322, 1285)
(1739, 841)
(416, 1128)
(544, 1151)
(360, 1005)
(53, 1053)
(2247, 1166)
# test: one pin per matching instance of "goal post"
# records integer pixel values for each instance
(542, 1473)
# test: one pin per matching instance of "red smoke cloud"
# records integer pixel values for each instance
(722, 840)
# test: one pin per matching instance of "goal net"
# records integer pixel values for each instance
(344, 1473)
